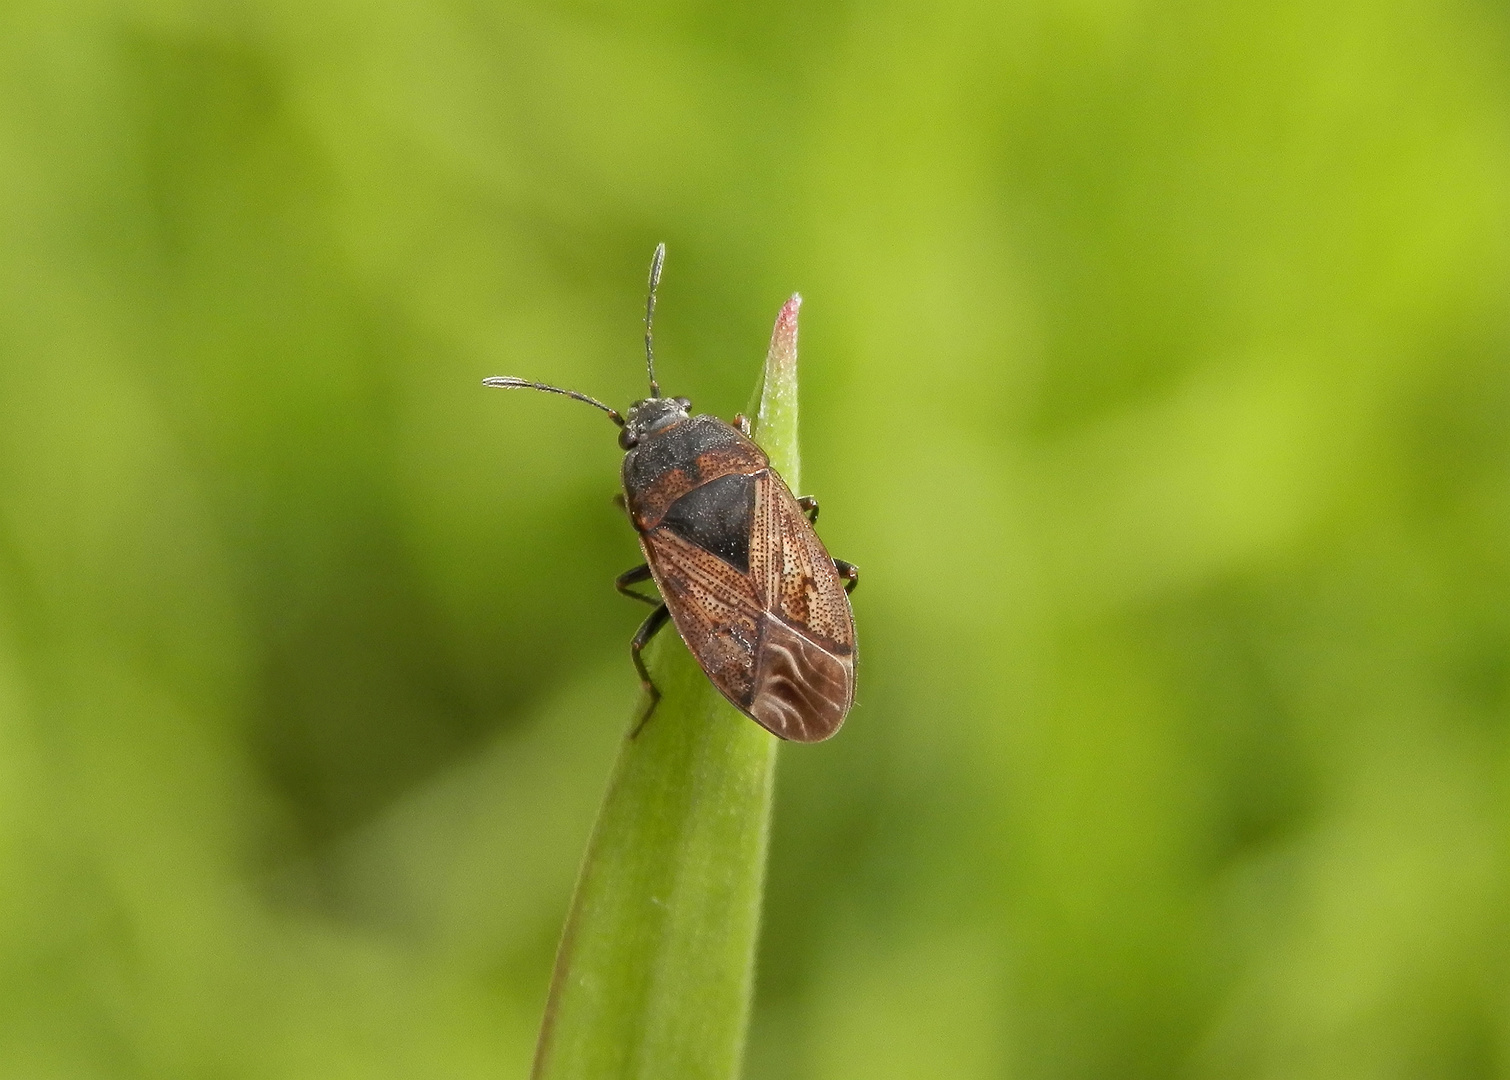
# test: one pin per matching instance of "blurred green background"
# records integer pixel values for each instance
(1156, 374)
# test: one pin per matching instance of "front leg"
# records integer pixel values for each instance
(849, 572)
(634, 577)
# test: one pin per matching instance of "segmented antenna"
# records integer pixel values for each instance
(656, 262)
(508, 382)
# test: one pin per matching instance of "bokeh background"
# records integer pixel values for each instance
(1156, 373)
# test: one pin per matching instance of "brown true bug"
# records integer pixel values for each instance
(750, 587)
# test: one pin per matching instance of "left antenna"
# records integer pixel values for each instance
(508, 382)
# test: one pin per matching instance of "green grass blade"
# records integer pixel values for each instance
(655, 970)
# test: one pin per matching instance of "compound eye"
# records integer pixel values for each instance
(627, 440)
(685, 403)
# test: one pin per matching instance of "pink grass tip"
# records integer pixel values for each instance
(783, 352)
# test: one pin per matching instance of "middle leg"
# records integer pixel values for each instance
(653, 623)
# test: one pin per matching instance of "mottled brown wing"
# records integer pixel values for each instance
(714, 608)
(804, 677)
(803, 587)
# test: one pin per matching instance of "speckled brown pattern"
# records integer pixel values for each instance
(778, 640)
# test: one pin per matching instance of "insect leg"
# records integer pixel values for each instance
(634, 577)
(647, 630)
(849, 572)
(618, 500)
(809, 507)
(742, 422)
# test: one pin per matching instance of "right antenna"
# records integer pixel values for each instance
(656, 262)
